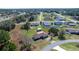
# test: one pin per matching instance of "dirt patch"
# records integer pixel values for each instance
(16, 36)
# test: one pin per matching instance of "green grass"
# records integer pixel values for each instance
(55, 38)
(70, 46)
(32, 31)
(43, 28)
(71, 36)
(29, 33)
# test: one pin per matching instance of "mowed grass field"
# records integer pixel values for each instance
(70, 46)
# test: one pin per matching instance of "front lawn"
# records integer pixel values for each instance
(71, 36)
(70, 46)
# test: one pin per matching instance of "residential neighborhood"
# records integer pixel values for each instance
(39, 29)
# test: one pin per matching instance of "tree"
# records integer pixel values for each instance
(4, 36)
(26, 43)
(9, 47)
(54, 31)
(61, 36)
(20, 19)
(33, 17)
(26, 47)
(7, 25)
(26, 26)
(5, 45)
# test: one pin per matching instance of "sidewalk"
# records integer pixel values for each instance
(58, 48)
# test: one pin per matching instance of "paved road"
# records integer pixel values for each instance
(49, 47)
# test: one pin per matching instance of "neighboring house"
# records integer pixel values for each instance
(77, 22)
(58, 18)
(65, 23)
(72, 31)
(75, 17)
(71, 23)
(34, 23)
(40, 36)
(54, 26)
(58, 23)
(46, 23)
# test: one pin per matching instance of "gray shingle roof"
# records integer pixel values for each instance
(39, 36)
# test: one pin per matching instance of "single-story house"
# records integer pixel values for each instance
(54, 26)
(34, 23)
(39, 36)
(58, 23)
(71, 23)
(75, 17)
(77, 22)
(46, 23)
(58, 18)
(72, 31)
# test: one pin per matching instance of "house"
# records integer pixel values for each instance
(39, 36)
(34, 23)
(54, 26)
(58, 18)
(72, 31)
(77, 22)
(46, 23)
(75, 17)
(71, 23)
(65, 23)
(58, 23)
